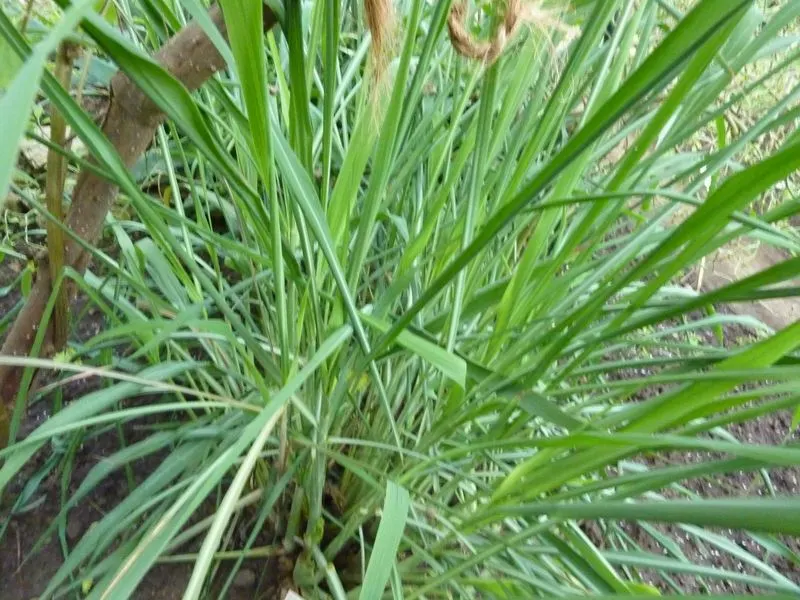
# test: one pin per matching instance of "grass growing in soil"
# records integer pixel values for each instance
(376, 330)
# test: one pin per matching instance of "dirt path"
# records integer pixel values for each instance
(731, 264)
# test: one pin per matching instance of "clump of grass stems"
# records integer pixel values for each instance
(393, 337)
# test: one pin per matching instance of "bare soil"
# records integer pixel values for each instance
(731, 264)
(771, 429)
(24, 575)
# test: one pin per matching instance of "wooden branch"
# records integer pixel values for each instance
(130, 124)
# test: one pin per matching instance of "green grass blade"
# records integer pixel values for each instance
(779, 515)
(387, 541)
(17, 101)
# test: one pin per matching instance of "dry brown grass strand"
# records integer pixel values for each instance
(382, 24)
(517, 13)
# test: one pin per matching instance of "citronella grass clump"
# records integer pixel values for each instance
(442, 357)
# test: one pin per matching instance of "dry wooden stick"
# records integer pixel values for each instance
(130, 123)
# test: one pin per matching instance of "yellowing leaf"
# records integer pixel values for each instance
(86, 586)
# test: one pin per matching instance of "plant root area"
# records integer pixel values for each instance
(24, 574)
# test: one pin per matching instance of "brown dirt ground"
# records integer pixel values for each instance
(722, 268)
(772, 429)
(732, 264)
(24, 576)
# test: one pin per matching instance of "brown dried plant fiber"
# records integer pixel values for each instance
(382, 24)
(517, 13)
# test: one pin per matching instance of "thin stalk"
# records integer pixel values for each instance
(56, 173)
